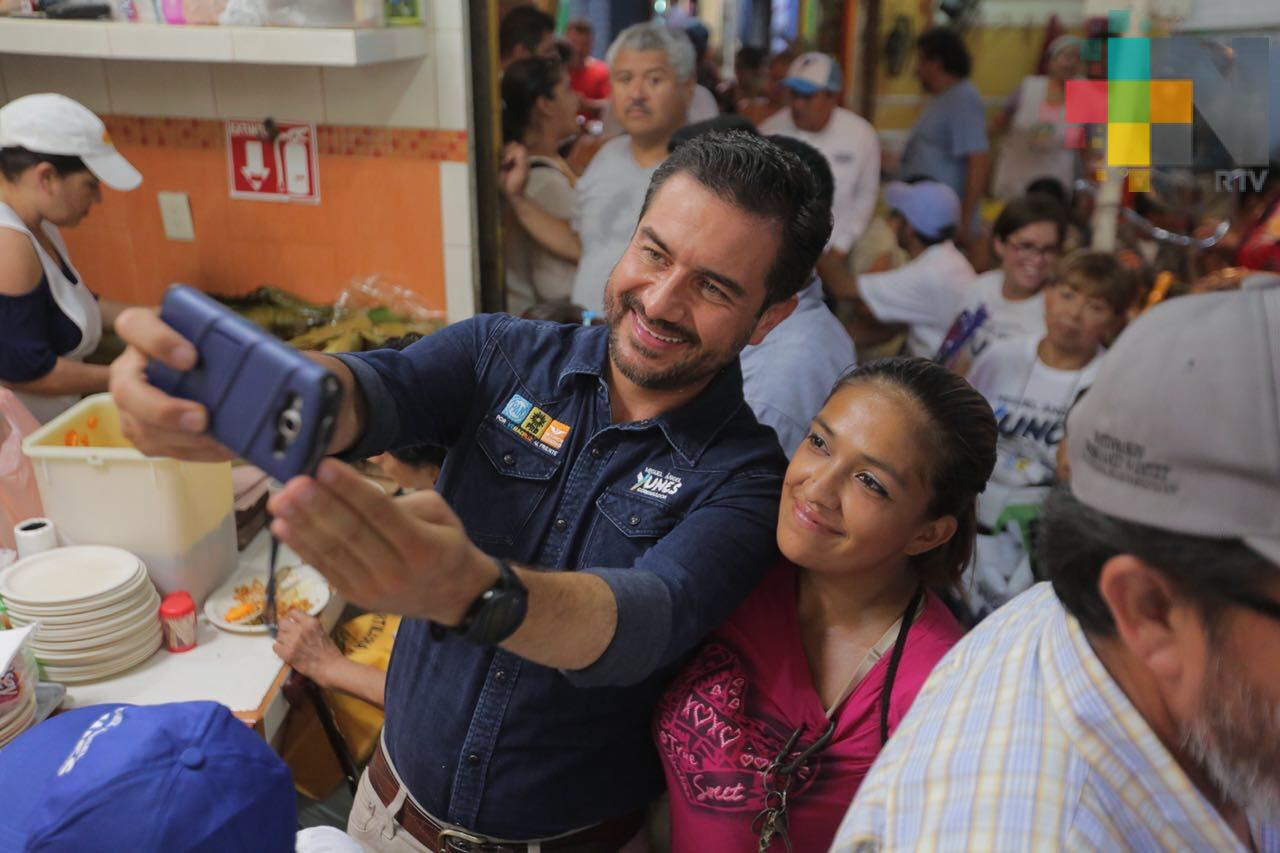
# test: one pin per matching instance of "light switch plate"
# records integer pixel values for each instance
(175, 211)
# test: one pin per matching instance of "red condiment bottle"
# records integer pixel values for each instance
(178, 619)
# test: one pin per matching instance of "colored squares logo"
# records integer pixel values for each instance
(1129, 59)
(1147, 121)
(1170, 102)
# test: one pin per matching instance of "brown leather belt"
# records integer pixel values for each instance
(607, 836)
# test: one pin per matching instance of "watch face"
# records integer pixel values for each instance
(500, 609)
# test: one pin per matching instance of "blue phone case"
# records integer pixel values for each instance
(266, 401)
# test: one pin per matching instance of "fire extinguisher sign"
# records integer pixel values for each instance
(267, 167)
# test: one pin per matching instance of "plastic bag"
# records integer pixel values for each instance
(19, 494)
(375, 292)
(244, 13)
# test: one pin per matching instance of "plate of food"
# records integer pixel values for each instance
(238, 604)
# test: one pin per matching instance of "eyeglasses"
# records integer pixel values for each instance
(1047, 252)
(1262, 605)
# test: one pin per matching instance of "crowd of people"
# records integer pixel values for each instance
(840, 517)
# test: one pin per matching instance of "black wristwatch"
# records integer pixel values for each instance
(495, 614)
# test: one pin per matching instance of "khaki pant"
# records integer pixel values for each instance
(373, 824)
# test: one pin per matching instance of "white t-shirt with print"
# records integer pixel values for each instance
(925, 293)
(1030, 400)
(852, 149)
(1006, 318)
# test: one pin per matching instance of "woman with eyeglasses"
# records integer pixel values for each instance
(1007, 301)
(767, 732)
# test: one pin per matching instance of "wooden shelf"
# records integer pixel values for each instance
(260, 45)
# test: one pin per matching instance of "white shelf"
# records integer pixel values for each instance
(265, 45)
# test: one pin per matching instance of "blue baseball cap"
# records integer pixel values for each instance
(929, 206)
(184, 776)
(813, 72)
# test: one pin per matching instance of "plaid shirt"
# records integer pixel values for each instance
(1020, 740)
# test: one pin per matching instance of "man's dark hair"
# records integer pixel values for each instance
(945, 45)
(15, 160)
(760, 179)
(1077, 540)
(1028, 210)
(580, 25)
(523, 26)
(823, 180)
(1050, 187)
(722, 123)
(751, 58)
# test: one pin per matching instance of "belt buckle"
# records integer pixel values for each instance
(456, 839)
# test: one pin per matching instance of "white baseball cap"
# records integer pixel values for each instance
(1181, 429)
(813, 72)
(55, 124)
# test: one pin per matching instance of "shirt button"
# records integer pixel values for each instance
(561, 524)
(596, 453)
(500, 676)
(508, 459)
(634, 520)
(473, 758)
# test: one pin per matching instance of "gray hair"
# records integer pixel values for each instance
(1077, 540)
(656, 36)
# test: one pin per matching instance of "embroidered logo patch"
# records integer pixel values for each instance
(533, 425)
(656, 484)
(555, 434)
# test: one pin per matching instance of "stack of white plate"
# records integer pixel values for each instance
(97, 609)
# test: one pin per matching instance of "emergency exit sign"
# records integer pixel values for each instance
(278, 166)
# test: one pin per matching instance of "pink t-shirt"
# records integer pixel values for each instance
(730, 710)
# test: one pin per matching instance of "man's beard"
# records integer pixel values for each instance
(698, 365)
(1235, 738)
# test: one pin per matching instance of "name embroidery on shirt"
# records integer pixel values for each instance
(533, 425)
(656, 484)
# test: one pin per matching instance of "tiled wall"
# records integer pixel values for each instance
(382, 207)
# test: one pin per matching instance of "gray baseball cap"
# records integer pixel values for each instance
(1181, 429)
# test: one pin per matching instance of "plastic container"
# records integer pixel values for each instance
(326, 13)
(177, 517)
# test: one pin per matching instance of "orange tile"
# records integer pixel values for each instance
(377, 215)
(1171, 101)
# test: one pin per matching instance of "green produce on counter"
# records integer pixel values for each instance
(319, 327)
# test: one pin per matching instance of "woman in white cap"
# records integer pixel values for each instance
(1034, 124)
(54, 156)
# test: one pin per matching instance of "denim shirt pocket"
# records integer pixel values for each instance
(502, 491)
(624, 528)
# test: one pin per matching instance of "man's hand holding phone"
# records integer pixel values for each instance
(157, 423)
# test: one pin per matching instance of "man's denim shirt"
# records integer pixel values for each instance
(676, 514)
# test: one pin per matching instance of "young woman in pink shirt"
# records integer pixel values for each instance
(767, 732)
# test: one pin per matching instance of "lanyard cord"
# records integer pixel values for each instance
(894, 659)
(780, 774)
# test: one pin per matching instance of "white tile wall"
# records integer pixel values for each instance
(447, 14)
(456, 193)
(459, 282)
(144, 88)
(258, 91)
(390, 94)
(451, 80)
(82, 79)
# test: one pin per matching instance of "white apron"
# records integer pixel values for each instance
(76, 302)
(1036, 146)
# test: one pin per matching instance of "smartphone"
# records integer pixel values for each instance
(267, 402)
